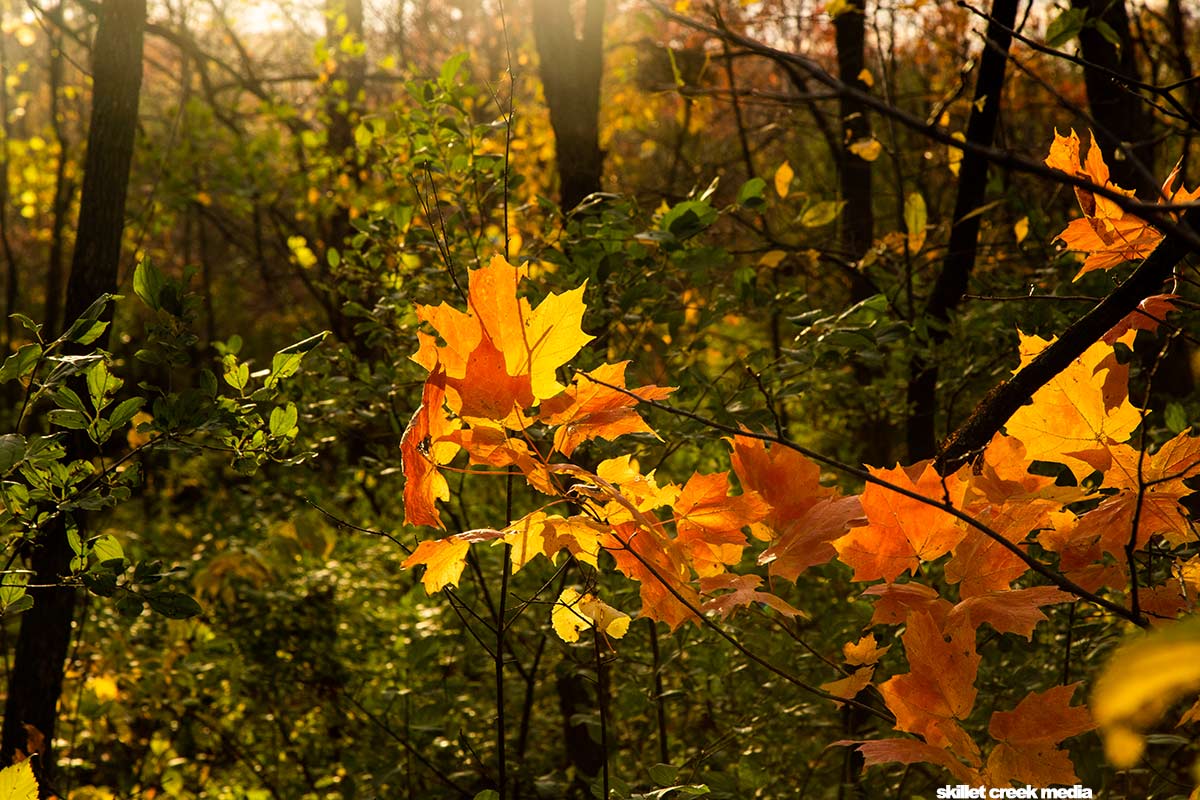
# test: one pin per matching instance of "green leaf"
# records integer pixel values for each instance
(12, 587)
(20, 363)
(27, 323)
(1106, 30)
(236, 375)
(450, 69)
(102, 384)
(18, 783)
(103, 584)
(753, 193)
(12, 451)
(283, 420)
(87, 331)
(1176, 418)
(65, 418)
(688, 218)
(67, 398)
(664, 774)
(130, 605)
(488, 794)
(1065, 27)
(66, 366)
(148, 283)
(174, 605)
(107, 548)
(126, 411)
(85, 323)
(285, 363)
(22, 603)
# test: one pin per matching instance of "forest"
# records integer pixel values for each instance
(599, 399)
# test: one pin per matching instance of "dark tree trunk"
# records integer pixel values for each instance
(854, 172)
(857, 220)
(571, 66)
(63, 187)
(35, 681)
(1178, 23)
(1121, 116)
(951, 282)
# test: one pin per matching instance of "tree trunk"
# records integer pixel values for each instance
(1122, 122)
(951, 282)
(571, 66)
(854, 172)
(35, 681)
(64, 188)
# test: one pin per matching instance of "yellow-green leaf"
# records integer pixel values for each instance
(822, 213)
(18, 783)
(915, 218)
(772, 259)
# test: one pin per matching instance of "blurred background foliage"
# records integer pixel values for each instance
(302, 168)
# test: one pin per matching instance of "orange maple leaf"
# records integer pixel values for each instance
(590, 409)
(901, 531)
(1157, 507)
(645, 554)
(850, 685)
(443, 559)
(743, 591)
(1012, 611)
(939, 689)
(545, 534)
(1013, 503)
(804, 517)
(500, 356)
(910, 751)
(1106, 233)
(1149, 314)
(1029, 736)
(898, 600)
(709, 522)
(422, 450)
(865, 651)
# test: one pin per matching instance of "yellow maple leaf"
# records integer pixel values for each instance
(1079, 415)
(574, 612)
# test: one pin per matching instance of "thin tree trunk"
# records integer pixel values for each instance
(952, 281)
(45, 636)
(63, 187)
(854, 172)
(571, 67)
(1121, 117)
(12, 273)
